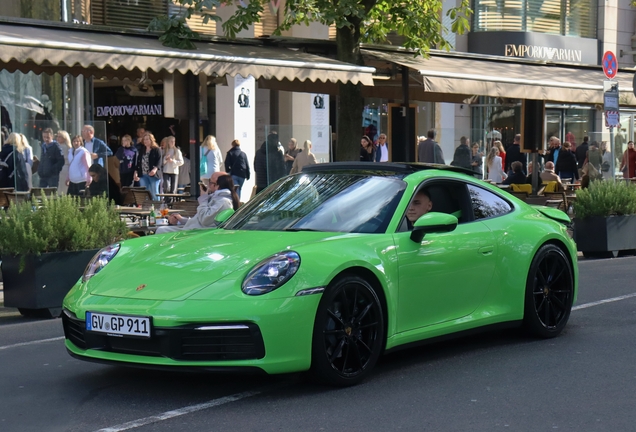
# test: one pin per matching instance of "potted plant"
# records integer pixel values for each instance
(45, 246)
(605, 222)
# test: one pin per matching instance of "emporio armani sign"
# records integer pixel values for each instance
(124, 110)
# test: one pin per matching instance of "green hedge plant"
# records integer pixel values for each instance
(59, 224)
(605, 198)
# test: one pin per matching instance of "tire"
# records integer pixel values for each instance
(549, 293)
(349, 333)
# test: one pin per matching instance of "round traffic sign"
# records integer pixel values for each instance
(610, 64)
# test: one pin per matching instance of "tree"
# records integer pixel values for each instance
(356, 21)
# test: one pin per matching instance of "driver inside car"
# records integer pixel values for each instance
(419, 206)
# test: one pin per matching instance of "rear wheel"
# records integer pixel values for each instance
(549, 292)
(348, 333)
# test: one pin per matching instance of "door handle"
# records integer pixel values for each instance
(486, 250)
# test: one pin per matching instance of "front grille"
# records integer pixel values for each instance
(235, 341)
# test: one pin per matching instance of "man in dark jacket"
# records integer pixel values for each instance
(269, 162)
(51, 161)
(514, 154)
(429, 151)
(581, 152)
(236, 165)
(463, 154)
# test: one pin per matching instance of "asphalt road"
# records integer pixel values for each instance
(583, 380)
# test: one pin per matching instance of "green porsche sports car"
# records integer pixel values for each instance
(325, 271)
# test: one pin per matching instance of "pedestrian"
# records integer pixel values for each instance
(51, 161)
(628, 164)
(566, 167)
(127, 156)
(64, 140)
(552, 155)
(581, 153)
(13, 168)
(514, 154)
(382, 149)
(290, 154)
(502, 155)
(463, 155)
(367, 149)
(29, 159)
(184, 171)
(97, 148)
(429, 151)
(237, 166)
(148, 163)
(211, 158)
(269, 162)
(79, 163)
(306, 157)
(476, 160)
(101, 183)
(606, 165)
(172, 160)
(493, 161)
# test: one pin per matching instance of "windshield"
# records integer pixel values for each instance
(351, 203)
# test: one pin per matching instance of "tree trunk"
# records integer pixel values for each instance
(351, 105)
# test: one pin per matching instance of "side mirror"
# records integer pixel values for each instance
(433, 223)
(223, 215)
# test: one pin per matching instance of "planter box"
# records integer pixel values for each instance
(605, 234)
(40, 288)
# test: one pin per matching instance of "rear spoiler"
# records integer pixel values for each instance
(554, 214)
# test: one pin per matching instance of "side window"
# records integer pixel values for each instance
(486, 204)
(440, 196)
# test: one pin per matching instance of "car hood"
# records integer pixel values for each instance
(176, 266)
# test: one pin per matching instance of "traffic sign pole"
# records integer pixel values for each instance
(611, 106)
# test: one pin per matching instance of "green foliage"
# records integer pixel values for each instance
(60, 224)
(605, 198)
(419, 21)
(175, 32)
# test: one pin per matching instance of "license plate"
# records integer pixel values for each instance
(118, 325)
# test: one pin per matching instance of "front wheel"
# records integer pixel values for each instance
(348, 335)
(549, 293)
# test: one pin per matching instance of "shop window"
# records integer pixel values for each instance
(127, 13)
(564, 17)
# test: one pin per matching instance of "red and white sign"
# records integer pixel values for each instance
(612, 119)
(610, 64)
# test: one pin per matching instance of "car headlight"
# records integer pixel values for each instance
(271, 273)
(100, 260)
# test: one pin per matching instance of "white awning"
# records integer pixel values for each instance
(85, 51)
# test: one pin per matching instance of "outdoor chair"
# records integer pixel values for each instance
(37, 192)
(557, 200)
(523, 196)
(141, 197)
(4, 201)
(189, 207)
(15, 198)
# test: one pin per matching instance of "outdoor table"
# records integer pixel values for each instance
(172, 195)
(135, 213)
(502, 186)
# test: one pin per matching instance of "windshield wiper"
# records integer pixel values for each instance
(300, 229)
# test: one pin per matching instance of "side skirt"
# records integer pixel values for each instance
(457, 335)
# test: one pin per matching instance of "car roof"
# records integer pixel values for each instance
(382, 169)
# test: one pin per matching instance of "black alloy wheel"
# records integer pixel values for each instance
(348, 332)
(549, 292)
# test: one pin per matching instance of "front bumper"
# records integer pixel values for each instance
(271, 335)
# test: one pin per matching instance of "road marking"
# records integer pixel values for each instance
(31, 343)
(609, 300)
(178, 412)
